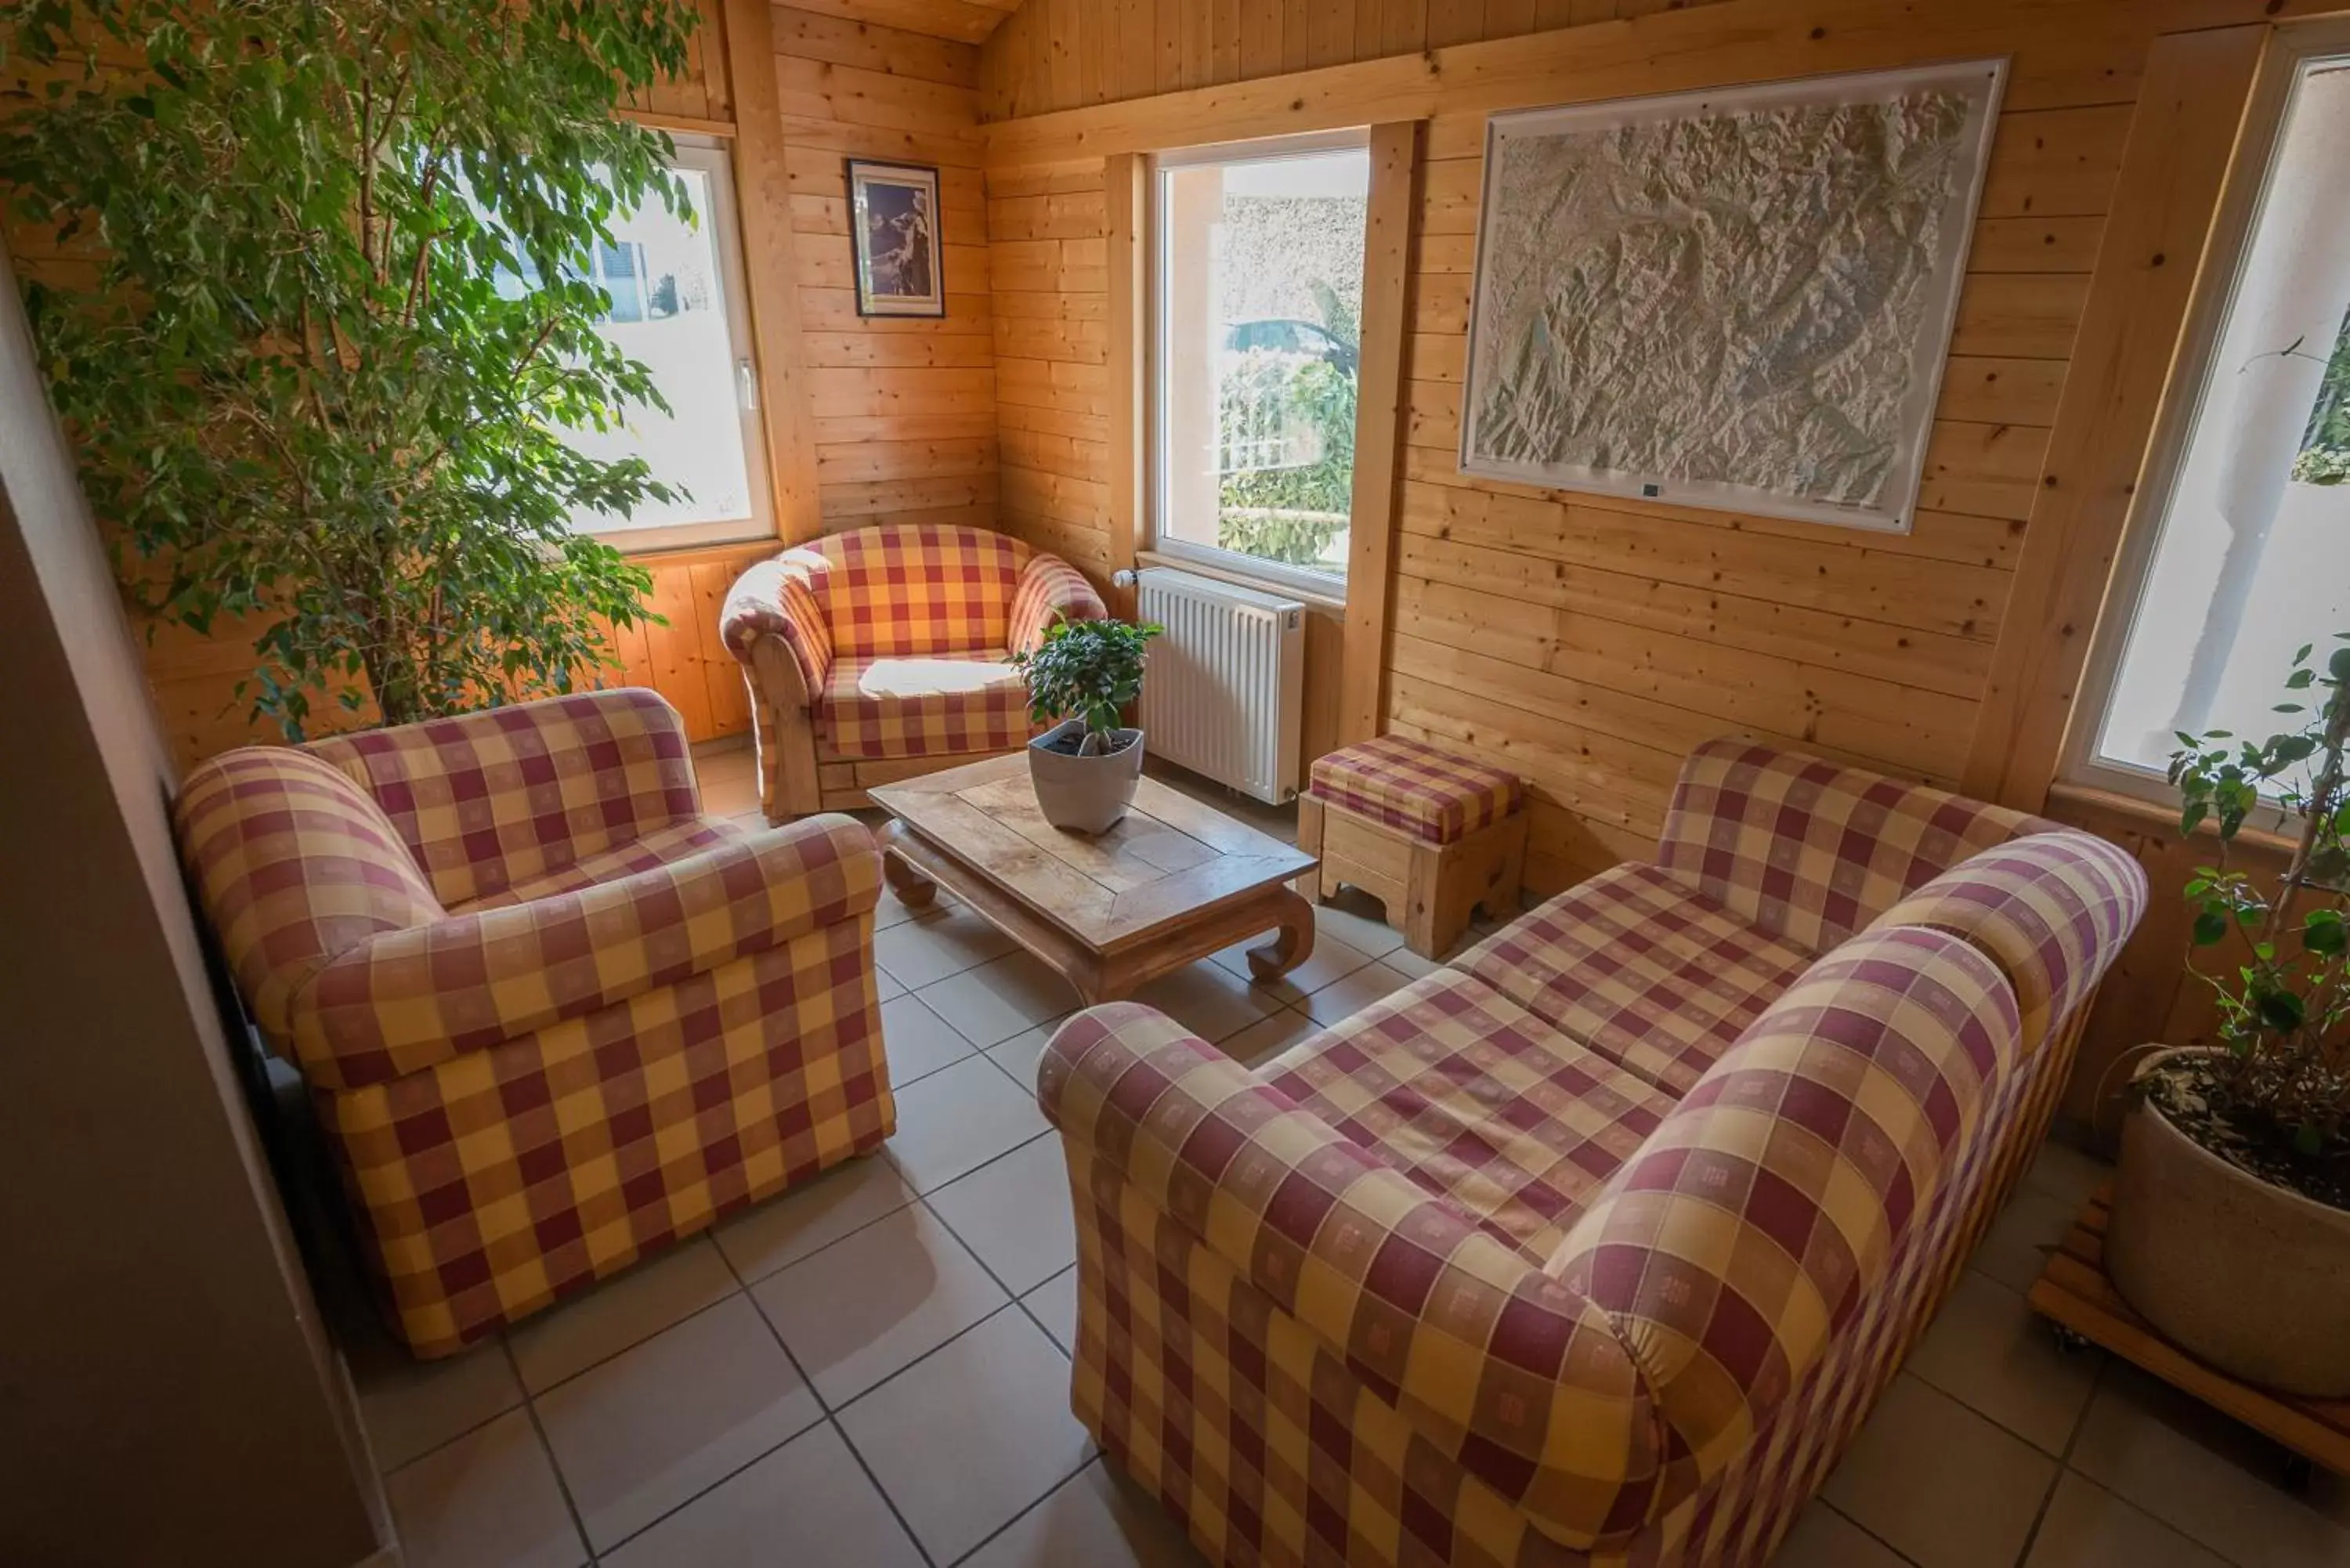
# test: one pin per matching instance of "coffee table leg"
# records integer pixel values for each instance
(1293, 944)
(914, 890)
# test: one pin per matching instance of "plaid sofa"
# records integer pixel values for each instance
(1595, 1245)
(552, 1017)
(882, 653)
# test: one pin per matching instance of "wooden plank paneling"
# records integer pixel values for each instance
(1588, 641)
(1126, 49)
(195, 678)
(762, 185)
(901, 412)
(1378, 427)
(1059, 412)
(965, 21)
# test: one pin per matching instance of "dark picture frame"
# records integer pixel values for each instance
(894, 233)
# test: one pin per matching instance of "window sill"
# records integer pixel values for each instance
(2075, 802)
(686, 552)
(1325, 603)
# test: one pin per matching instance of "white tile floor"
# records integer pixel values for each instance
(872, 1371)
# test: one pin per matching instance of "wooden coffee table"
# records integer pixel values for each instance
(1170, 884)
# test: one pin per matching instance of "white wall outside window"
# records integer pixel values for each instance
(2248, 559)
(678, 306)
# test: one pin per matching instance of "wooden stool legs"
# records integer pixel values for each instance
(1430, 891)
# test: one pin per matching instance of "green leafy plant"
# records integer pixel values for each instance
(1088, 669)
(309, 386)
(1279, 511)
(2276, 1097)
(2324, 456)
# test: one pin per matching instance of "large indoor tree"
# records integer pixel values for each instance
(311, 390)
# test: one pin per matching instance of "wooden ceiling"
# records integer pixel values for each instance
(964, 21)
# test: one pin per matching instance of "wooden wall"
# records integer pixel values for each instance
(1062, 54)
(2150, 997)
(1047, 242)
(1588, 642)
(904, 411)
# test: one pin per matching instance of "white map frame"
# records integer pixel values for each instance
(1981, 82)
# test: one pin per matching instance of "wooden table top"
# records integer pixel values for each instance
(1170, 860)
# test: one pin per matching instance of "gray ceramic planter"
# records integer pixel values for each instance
(2242, 1273)
(1084, 794)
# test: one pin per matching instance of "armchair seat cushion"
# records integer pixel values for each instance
(1644, 969)
(1478, 1101)
(678, 841)
(926, 705)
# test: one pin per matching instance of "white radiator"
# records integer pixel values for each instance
(1224, 693)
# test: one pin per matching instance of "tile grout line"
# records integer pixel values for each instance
(832, 1419)
(606, 1359)
(878, 1152)
(2064, 1459)
(829, 1413)
(1014, 1302)
(522, 1397)
(1096, 1458)
(1820, 1497)
(1019, 1298)
(547, 1447)
(824, 1418)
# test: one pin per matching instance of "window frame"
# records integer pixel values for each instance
(714, 158)
(1326, 587)
(2243, 204)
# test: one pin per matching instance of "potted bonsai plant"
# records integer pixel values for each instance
(1083, 675)
(2230, 1225)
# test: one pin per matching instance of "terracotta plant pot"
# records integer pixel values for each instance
(2242, 1273)
(1084, 794)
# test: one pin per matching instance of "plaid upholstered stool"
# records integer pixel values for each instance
(1429, 835)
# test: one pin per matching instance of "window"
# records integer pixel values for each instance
(1258, 290)
(2250, 557)
(677, 306)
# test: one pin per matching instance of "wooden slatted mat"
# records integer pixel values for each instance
(2074, 1293)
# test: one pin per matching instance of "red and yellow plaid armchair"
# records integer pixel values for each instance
(552, 1016)
(1596, 1245)
(883, 654)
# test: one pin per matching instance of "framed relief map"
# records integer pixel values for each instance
(1739, 300)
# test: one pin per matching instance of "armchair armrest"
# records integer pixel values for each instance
(1049, 588)
(1771, 1214)
(295, 865)
(408, 999)
(1513, 1375)
(773, 599)
(483, 800)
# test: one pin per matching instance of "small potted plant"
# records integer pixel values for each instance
(2230, 1225)
(1083, 675)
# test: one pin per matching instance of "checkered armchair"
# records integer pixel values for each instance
(883, 653)
(1595, 1245)
(553, 1017)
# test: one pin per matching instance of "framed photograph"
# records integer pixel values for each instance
(893, 213)
(1739, 300)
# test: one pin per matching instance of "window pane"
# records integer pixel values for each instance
(2253, 556)
(669, 312)
(1261, 299)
